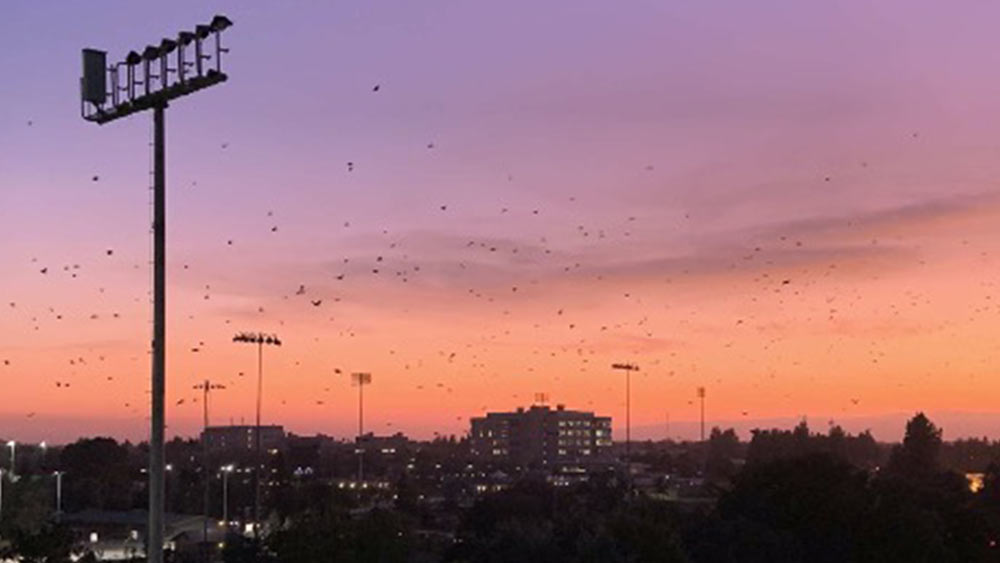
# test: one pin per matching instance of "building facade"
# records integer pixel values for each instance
(541, 438)
(243, 438)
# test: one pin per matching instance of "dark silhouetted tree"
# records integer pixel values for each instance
(918, 455)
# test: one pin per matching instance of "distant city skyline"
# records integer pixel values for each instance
(480, 203)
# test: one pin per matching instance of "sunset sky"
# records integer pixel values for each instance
(793, 204)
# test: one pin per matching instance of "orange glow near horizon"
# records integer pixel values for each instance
(788, 215)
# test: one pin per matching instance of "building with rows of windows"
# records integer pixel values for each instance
(541, 438)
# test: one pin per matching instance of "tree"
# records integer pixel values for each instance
(98, 475)
(27, 529)
(723, 447)
(918, 456)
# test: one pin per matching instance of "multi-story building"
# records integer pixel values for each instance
(243, 438)
(541, 438)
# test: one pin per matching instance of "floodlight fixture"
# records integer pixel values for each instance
(165, 88)
(220, 23)
(167, 46)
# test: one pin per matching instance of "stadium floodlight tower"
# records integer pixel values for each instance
(148, 82)
(628, 369)
(360, 379)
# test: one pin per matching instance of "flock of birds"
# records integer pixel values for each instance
(557, 313)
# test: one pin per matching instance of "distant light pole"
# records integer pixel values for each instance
(1, 493)
(360, 379)
(124, 101)
(13, 460)
(58, 475)
(226, 470)
(628, 369)
(260, 339)
(701, 396)
(207, 387)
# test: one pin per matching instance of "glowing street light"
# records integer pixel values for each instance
(226, 470)
(158, 90)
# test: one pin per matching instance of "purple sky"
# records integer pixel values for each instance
(715, 127)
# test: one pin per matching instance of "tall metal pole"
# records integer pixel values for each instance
(701, 396)
(225, 496)
(154, 534)
(59, 475)
(628, 419)
(361, 433)
(628, 368)
(204, 468)
(258, 461)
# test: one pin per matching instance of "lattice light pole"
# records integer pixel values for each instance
(360, 380)
(148, 82)
(260, 339)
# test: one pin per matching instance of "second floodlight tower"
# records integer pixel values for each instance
(360, 379)
(142, 82)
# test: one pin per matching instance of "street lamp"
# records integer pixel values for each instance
(260, 339)
(361, 379)
(95, 107)
(628, 369)
(13, 461)
(58, 475)
(226, 470)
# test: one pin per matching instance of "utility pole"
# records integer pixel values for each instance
(124, 101)
(206, 388)
(628, 369)
(360, 380)
(260, 339)
(58, 475)
(701, 396)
